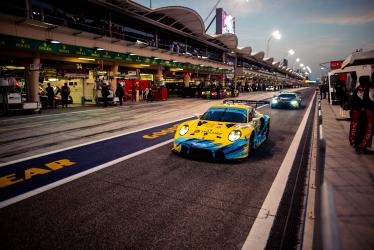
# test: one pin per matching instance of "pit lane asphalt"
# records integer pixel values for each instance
(156, 200)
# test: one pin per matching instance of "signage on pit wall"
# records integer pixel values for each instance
(7, 41)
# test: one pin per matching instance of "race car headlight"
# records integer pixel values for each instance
(235, 135)
(274, 101)
(294, 103)
(183, 130)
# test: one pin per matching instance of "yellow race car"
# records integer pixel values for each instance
(225, 131)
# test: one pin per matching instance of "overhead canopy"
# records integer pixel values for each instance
(258, 55)
(244, 50)
(359, 70)
(179, 18)
(229, 39)
(359, 58)
(187, 17)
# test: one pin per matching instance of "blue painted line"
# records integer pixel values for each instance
(84, 157)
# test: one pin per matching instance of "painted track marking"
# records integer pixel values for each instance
(260, 231)
(47, 187)
(77, 176)
(88, 143)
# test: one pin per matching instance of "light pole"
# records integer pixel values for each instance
(297, 61)
(290, 52)
(277, 35)
(301, 67)
(213, 9)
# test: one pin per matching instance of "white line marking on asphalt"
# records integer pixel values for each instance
(84, 173)
(260, 231)
(67, 113)
(89, 171)
(92, 142)
(320, 132)
(77, 176)
(42, 116)
(98, 108)
(262, 106)
(88, 143)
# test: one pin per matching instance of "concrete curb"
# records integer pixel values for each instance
(310, 190)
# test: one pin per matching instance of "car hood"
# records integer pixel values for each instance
(286, 99)
(214, 132)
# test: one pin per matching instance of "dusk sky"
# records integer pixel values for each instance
(319, 31)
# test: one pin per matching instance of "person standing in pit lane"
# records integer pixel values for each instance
(369, 111)
(65, 92)
(105, 92)
(359, 122)
(324, 89)
(120, 93)
(133, 91)
(51, 96)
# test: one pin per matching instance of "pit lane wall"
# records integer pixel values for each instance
(320, 230)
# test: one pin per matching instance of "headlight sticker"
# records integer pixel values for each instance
(235, 135)
(183, 130)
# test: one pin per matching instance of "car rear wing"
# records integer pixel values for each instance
(246, 102)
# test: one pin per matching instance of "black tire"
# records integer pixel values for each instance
(267, 130)
(262, 120)
(251, 144)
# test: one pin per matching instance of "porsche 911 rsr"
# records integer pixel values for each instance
(225, 132)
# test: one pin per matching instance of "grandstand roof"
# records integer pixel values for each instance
(244, 50)
(258, 55)
(276, 64)
(187, 17)
(269, 60)
(229, 39)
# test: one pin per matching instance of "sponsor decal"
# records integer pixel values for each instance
(163, 132)
(211, 131)
(24, 174)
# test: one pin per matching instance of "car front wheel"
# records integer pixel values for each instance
(251, 144)
(267, 131)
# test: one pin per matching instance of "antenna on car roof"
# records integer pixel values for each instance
(246, 102)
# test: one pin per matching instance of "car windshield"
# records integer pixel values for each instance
(223, 114)
(287, 95)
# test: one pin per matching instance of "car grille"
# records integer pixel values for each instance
(220, 155)
(200, 153)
